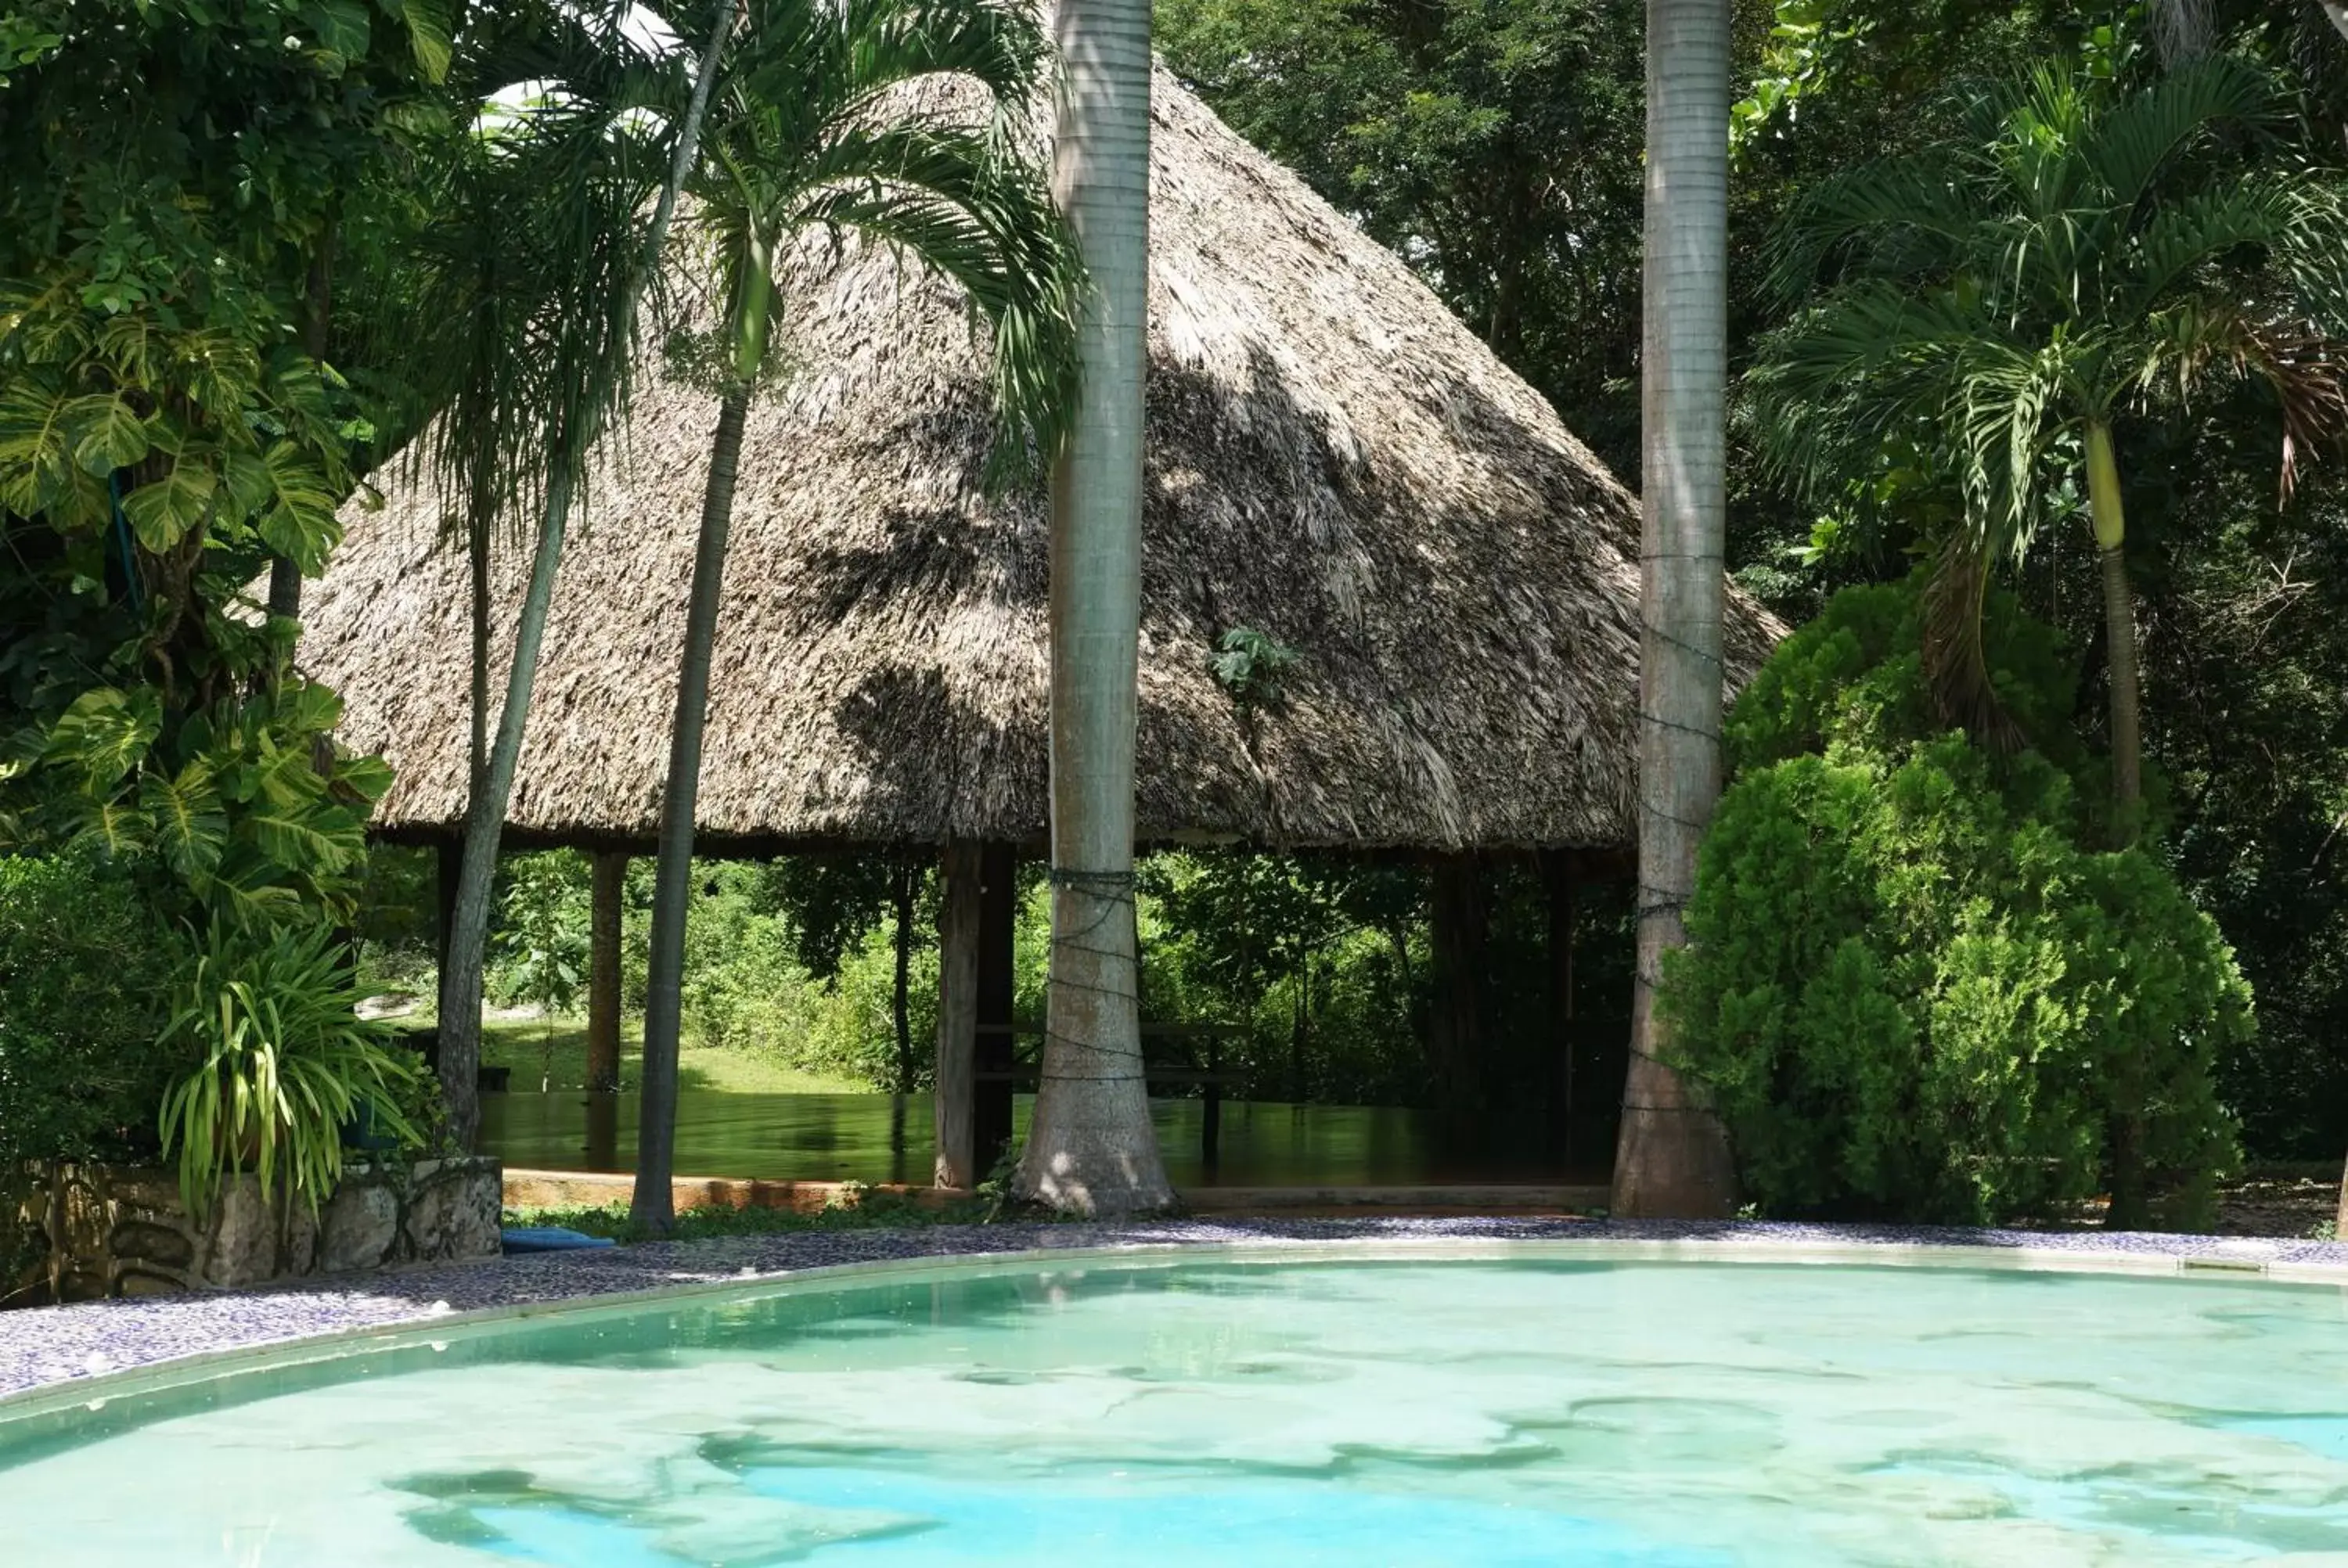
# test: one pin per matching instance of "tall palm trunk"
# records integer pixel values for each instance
(673, 877)
(1673, 1156)
(1090, 1146)
(485, 813)
(2119, 626)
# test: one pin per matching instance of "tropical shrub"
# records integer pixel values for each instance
(85, 976)
(283, 1065)
(1916, 987)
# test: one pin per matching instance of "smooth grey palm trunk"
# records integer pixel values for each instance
(485, 815)
(652, 1205)
(1672, 1158)
(1090, 1145)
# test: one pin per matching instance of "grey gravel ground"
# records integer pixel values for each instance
(50, 1346)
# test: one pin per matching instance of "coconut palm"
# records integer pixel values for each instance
(524, 349)
(1672, 1156)
(1998, 306)
(903, 122)
(1090, 1145)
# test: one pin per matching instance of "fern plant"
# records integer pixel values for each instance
(284, 1062)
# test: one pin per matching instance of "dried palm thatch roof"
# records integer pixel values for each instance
(1334, 462)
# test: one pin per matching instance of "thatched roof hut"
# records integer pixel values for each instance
(1334, 462)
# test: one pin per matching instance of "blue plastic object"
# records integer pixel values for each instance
(550, 1238)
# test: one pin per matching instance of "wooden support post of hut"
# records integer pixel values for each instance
(1458, 575)
(958, 941)
(998, 929)
(1459, 934)
(1559, 869)
(608, 878)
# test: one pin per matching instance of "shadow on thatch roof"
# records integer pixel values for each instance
(1334, 462)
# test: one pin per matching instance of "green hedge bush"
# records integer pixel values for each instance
(1917, 987)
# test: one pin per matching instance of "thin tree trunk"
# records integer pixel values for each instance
(477, 550)
(1672, 1158)
(609, 871)
(1299, 1024)
(673, 879)
(906, 888)
(1090, 1146)
(954, 1100)
(460, 977)
(2340, 1219)
(2119, 628)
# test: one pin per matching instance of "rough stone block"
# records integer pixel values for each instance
(361, 1225)
(244, 1234)
(453, 1211)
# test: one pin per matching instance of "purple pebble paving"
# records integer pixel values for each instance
(44, 1347)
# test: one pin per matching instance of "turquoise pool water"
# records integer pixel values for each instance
(1531, 1411)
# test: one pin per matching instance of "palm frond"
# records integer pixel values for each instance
(2193, 230)
(2125, 146)
(1924, 198)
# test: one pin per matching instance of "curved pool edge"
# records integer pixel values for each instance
(57, 1357)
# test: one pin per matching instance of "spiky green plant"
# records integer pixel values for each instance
(284, 1064)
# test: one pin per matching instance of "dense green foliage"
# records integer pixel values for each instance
(171, 178)
(1917, 987)
(2242, 603)
(84, 972)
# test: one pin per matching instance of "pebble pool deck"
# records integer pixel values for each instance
(42, 1347)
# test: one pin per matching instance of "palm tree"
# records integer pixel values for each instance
(903, 121)
(1671, 1157)
(1090, 1145)
(569, 174)
(2003, 302)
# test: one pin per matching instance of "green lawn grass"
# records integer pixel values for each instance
(556, 1051)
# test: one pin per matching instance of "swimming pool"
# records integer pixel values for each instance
(1537, 1408)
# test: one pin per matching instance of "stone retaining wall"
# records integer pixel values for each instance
(122, 1231)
